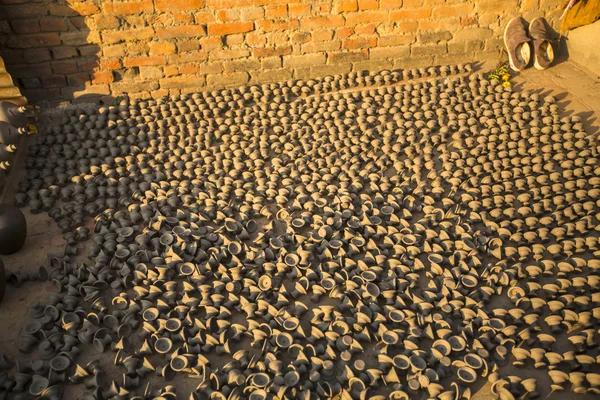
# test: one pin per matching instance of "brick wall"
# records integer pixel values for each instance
(61, 50)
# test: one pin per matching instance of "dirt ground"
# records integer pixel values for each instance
(577, 92)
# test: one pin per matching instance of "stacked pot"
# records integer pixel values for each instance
(372, 235)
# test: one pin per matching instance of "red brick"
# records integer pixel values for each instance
(34, 40)
(343, 32)
(80, 79)
(87, 64)
(360, 43)
(79, 22)
(25, 26)
(54, 81)
(368, 4)
(188, 45)
(322, 8)
(32, 56)
(161, 48)
(74, 38)
(102, 22)
(139, 61)
(31, 71)
(331, 21)
(458, 10)
(408, 26)
(110, 63)
(346, 6)
(181, 31)
(270, 26)
(230, 28)
(31, 83)
(298, 10)
(84, 8)
(64, 67)
(417, 13)
(61, 10)
(132, 7)
(277, 11)
(171, 70)
(178, 5)
(24, 10)
(89, 50)
(103, 77)
(366, 17)
(53, 24)
(203, 17)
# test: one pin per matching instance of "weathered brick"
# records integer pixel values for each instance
(367, 17)
(270, 26)
(25, 25)
(346, 6)
(61, 10)
(255, 39)
(87, 64)
(182, 82)
(53, 24)
(54, 81)
(372, 65)
(4, 27)
(203, 17)
(188, 57)
(323, 35)
(161, 48)
(89, 50)
(434, 37)
(33, 40)
(179, 5)
(211, 68)
(143, 61)
(315, 47)
(36, 55)
(230, 28)
(171, 70)
(64, 67)
(395, 40)
(189, 69)
(359, 43)
(188, 45)
(74, 38)
(304, 60)
(228, 54)
(365, 30)
(110, 63)
(408, 26)
(102, 22)
(368, 4)
(36, 95)
(347, 57)
(276, 11)
(390, 52)
(31, 71)
(134, 87)
(300, 37)
(428, 49)
(417, 13)
(241, 65)
(319, 22)
(495, 7)
(80, 79)
(114, 51)
(271, 63)
(232, 79)
(24, 10)
(182, 17)
(298, 10)
(390, 4)
(344, 32)
(151, 73)
(273, 75)
(103, 77)
(211, 43)
(323, 70)
(84, 7)
(30, 83)
(457, 10)
(180, 31)
(125, 8)
(230, 14)
(112, 37)
(473, 34)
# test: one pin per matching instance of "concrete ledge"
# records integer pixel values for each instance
(583, 47)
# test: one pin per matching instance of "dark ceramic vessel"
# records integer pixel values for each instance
(13, 229)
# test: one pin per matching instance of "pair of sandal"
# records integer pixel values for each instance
(521, 46)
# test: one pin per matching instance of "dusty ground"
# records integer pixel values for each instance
(578, 93)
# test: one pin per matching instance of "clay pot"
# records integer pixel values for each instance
(13, 229)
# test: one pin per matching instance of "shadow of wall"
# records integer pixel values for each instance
(49, 52)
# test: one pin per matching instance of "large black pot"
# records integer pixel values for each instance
(13, 229)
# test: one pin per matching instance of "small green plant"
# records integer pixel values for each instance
(501, 72)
